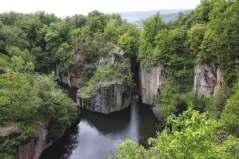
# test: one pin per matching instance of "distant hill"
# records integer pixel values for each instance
(137, 17)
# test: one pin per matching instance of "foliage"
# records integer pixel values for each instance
(129, 42)
(230, 114)
(55, 106)
(105, 73)
(168, 100)
(152, 27)
(19, 99)
(191, 135)
(130, 150)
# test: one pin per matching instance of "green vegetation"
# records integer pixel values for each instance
(230, 114)
(34, 48)
(106, 73)
(195, 126)
(207, 35)
(28, 100)
(190, 135)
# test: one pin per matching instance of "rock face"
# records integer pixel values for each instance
(108, 97)
(151, 82)
(34, 148)
(208, 80)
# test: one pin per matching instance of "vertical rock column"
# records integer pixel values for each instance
(208, 79)
(151, 82)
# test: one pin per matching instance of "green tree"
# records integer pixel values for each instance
(129, 41)
(19, 98)
(168, 100)
(190, 135)
(152, 27)
(230, 115)
(130, 150)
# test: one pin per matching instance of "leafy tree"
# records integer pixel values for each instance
(230, 114)
(113, 29)
(96, 22)
(19, 99)
(152, 26)
(130, 150)
(20, 61)
(220, 44)
(190, 135)
(195, 37)
(56, 106)
(129, 41)
(168, 100)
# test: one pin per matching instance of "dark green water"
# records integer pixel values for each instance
(96, 136)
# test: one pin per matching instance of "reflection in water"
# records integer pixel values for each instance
(97, 135)
(134, 122)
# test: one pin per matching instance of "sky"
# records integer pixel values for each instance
(64, 8)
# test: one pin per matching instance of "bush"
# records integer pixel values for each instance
(191, 135)
(56, 106)
(19, 98)
(130, 150)
(107, 72)
(230, 115)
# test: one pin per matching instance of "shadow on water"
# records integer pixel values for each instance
(96, 136)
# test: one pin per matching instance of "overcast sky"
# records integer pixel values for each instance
(70, 7)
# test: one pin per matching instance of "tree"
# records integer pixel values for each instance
(56, 106)
(152, 27)
(20, 61)
(193, 135)
(220, 43)
(96, 22)
(19, 98)
(190, 135)
(168, 100)
(230, 115)
(129, 41)
(194, 38)
(130, 150)
(113, 29)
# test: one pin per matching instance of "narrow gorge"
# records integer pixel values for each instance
(97, 86)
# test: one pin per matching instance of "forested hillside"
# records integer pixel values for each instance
(196, 126)
(34, 48)
(198, 121)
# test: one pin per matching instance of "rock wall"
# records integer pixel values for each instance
(208, 79)
(108, 97)
(34, 148)
(151, 82)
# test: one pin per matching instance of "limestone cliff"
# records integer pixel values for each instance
(34, 148)
(108, 97)
(208, 79)
(151, 82)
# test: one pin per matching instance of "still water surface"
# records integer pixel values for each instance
(96, 136)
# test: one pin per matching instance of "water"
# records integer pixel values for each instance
(96, 136)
